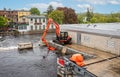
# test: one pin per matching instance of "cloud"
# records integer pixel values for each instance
(101, 2)
(114, 2)
(56, 4)
(94, 1)
(83, 6)
(24, 8)
(38, 5)
(44, 6)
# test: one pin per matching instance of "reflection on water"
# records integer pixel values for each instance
(26, 63)
(25, 51)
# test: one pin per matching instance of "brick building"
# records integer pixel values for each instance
(10, 15)
(14, 15)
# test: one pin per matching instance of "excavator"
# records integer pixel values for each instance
(65, 65)
(61, 37)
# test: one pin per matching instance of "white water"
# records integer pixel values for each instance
(8, 48)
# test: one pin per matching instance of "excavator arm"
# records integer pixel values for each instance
(46, 30)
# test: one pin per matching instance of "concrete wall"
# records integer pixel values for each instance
(73, 35)
(104, 43)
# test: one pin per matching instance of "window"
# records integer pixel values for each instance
(23, 19)
(25, 27)
(35, 20)
(20, 28)
(31, 27)
(40, 20)
(43, 19)
(31, 19)
(39, 27)
(36, 27)
(43, 26)
(110, 44)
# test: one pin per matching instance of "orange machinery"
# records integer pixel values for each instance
(61, 37)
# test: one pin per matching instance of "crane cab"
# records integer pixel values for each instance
(63, 39)
(63, 35)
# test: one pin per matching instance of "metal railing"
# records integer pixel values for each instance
(75, 70)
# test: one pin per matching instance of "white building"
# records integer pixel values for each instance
(33, 23)
(102, 36)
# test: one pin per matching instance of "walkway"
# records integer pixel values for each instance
(107, 68)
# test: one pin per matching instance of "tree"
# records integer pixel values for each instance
(81, 17)
(49, 9)
(70, 15)
(57, 16)
(3, 21)
(93, 20)
(100, 18)
(34, 11)
(89, 15)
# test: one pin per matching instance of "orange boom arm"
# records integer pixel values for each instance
(46, 30)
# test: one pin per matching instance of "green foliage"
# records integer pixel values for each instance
(81, 17)
(100, 18)
(3, 22)
(70, 15)
(93, 20)
(34, 11)
(49, 9)
(57, 16)
(89, 15)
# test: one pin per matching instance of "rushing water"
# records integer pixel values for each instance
(26, 63)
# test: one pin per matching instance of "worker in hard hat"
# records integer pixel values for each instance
(78, 59)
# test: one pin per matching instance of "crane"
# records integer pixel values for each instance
(61, 37)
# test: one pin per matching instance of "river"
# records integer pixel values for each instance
(26, 63)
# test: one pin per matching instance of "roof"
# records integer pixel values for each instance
(16, 10)
(23, 10)
(35, 16)
(106, 29)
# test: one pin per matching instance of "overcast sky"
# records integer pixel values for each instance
(99, 6)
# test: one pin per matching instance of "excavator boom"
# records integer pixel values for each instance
(46, 30)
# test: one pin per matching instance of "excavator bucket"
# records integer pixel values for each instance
(51, 48)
